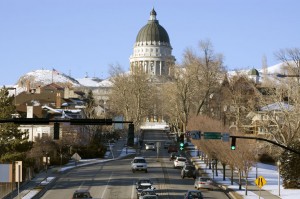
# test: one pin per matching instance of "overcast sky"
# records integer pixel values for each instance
(84, 37)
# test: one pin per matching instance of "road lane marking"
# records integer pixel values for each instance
(110, 177)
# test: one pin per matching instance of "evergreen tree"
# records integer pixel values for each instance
(13, 142)
(290, 170)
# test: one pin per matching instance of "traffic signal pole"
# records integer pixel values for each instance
(266, 140)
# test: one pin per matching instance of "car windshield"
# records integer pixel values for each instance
(144, 181)
(195, 194)
(81, 195)
(204, 179)
(139, 161)
(190, 167)
(148, 192)
(144, 187)
(149, 197)
(181, 159)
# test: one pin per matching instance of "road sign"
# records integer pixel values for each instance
(260, 181)
(196, 135)
(212, 135)
(225, 137)
(76, 157)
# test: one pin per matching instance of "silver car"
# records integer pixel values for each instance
(150, 146)
(139, 164)
(179, 162)
(203, 183)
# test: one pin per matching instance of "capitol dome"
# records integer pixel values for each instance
(152, 52)
(152, 31)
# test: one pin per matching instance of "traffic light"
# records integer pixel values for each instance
(181, 145)
(130, 135)
(233, 139)
(181, 141)
(56, 131)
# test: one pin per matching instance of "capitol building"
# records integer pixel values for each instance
(152, 51)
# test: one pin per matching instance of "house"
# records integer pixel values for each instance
(51, 101)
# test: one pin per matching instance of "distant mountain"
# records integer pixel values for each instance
(44, 77)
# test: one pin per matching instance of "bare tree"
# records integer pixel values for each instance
(132, 95)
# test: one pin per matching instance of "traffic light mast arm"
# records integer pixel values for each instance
(266, 140)
(37, 121)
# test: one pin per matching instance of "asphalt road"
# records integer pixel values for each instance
(115, 180)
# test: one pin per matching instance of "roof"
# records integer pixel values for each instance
(278, 106)
(152, 31)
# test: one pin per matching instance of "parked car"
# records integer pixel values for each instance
(203, 183)
(147, 192)
(143, 186)
(150, 146)
(172, 148)
(179, 162)
(79, 194)
(139, 164)
(188, 171)
(193, 194)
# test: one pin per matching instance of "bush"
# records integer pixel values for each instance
(91, 152)
(266, 158)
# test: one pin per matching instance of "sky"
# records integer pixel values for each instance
(85, 37)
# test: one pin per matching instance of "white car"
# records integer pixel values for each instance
(150, 146)
(139, 164)
(203, 183)
(179, 162)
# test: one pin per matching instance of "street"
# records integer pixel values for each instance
(115, 179)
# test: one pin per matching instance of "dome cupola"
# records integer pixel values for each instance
(152, 31)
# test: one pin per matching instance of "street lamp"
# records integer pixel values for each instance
(213, 162)
(278, 166)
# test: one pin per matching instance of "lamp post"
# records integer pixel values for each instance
(213, 162)
(278, 166)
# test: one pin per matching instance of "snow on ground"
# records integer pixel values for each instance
(269, 172)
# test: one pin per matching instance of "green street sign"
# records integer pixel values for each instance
(212, 135)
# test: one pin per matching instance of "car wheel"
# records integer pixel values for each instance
(146, 171)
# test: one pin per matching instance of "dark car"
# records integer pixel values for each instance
(193, 194)
(174, 155)
(172, 148)
(188, 171)
(143, 186)
(79, 194)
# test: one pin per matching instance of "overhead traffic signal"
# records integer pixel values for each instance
(233, 140)
(181, 141)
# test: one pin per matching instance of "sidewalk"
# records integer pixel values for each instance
(35, 187)
(233, 190)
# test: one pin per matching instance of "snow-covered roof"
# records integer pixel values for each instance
(277, 106)
(91, 82)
